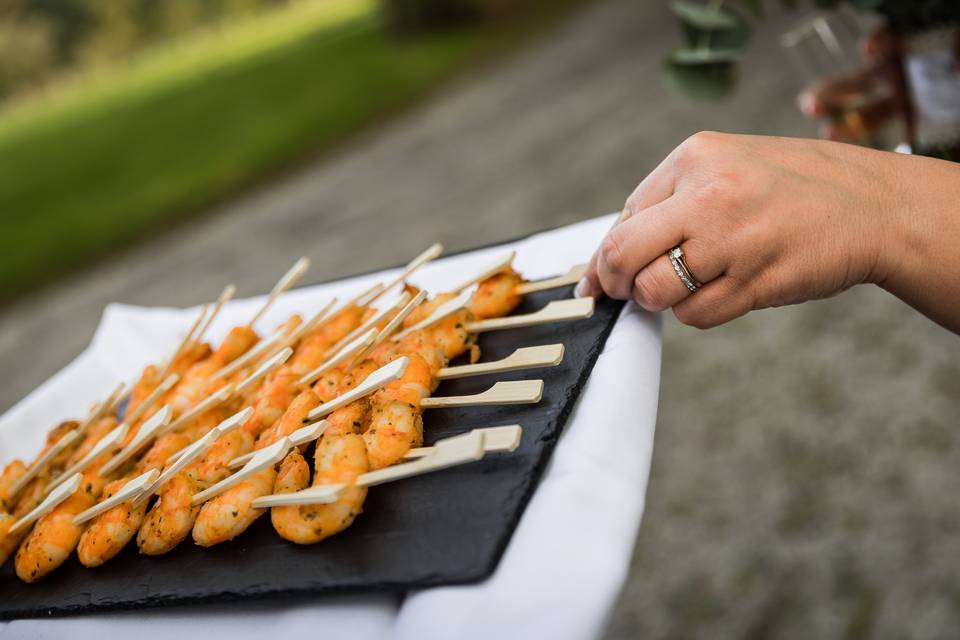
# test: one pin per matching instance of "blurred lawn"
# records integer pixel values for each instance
(105, 159)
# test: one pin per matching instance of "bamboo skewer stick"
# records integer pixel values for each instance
(390, 327)
(303, 435)
(187, 339)
(53, 499)
(556, 311)
(155, 395)
(367, 296)
(44, 460)
(524, 358)
(432, 252)
(179, 461)
(102, 408)
(512, 392)
(570, 277)
(376, 380)
(501, 263)
(252, 355)
(147, 431)
(371, 322)
(288, 280)
(503, 439)
(106, 443)
(228, 392)
(445, 310)
(346, 352)
(222, 299)
(446, 453)
(266, 457)
(127, 492)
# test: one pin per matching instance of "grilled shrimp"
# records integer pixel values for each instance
(110, 532)
(10, 476)
(395, 428)
(55, 536)
(229, 514)
(338, 459)
(497, 295)
(170, 519)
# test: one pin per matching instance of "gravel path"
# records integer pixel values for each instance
(802, 480)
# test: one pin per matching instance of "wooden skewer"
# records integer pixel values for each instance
(346, 352)
(42, 463)
(106, 443)
(445, 310)
(524, 358)
(512, 392)
(308, 326)
(495, 439)
(556, 311)
(268, 365)
(432, 252)
(227, 392)
(252, 355)
(372, 322)
(187, 339)
(266, 457)
(376, 380)
(58, 495)
(178, 461)
(446, 453)
(303, 435)
(211, 401)
(222, 299)
(155, 395)
(389, 328)
(102, 408)
(367, 296)
(570, 277)
(288, 280)
(147, 431)
(502, 263)
(127, 492)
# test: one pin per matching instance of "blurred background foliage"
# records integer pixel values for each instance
(118, 118)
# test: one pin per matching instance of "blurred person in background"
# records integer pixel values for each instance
(728, 223)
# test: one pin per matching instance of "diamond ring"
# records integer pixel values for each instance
(682, 270)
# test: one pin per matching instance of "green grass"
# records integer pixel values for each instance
(107, 159)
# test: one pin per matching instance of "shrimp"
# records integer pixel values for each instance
(110, 532)
(395, 427)
(240, 339)
(497, 295)
(415, 384)
(8, 478)
(338, 459)
(291, 420)
(229, 514)
(352, 418)
(171, 518)
(274, 397)
(55, 536)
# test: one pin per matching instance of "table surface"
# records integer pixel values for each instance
(568, 558)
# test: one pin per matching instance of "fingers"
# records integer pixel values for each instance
(656, 187)
(715, 303)
(635, 243)
(658, 287)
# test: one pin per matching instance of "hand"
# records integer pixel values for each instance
(766, 222)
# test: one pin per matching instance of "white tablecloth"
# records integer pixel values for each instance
(569, 556)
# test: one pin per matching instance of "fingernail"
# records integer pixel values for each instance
(583, 289)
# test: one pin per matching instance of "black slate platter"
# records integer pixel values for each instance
(444, 528)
